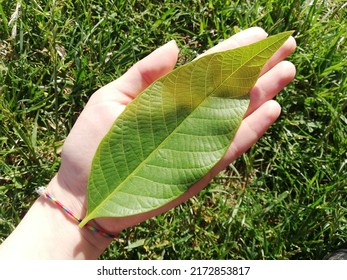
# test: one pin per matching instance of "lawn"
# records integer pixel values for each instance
(286, 198)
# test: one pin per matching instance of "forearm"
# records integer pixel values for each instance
(47, 232)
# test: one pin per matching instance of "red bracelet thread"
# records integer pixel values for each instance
(42, 192)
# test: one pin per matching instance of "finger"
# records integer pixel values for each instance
(243, 38)
(250, 36)
(251, 129)
(285, 50)
(270, 84)
(142, 74)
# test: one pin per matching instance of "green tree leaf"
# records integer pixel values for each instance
(174, 132)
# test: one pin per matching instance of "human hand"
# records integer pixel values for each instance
(105, 105)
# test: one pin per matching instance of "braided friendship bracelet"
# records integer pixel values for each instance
(43, 193)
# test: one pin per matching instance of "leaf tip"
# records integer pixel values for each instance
(288, 33)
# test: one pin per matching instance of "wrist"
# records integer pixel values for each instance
(48, 232)
(92, 239)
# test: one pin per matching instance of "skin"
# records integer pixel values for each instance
(46, 232)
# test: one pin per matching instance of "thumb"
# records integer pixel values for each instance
(143, 73)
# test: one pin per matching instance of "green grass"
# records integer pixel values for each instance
(284, 199)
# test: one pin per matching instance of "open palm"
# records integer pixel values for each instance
(107, 103)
